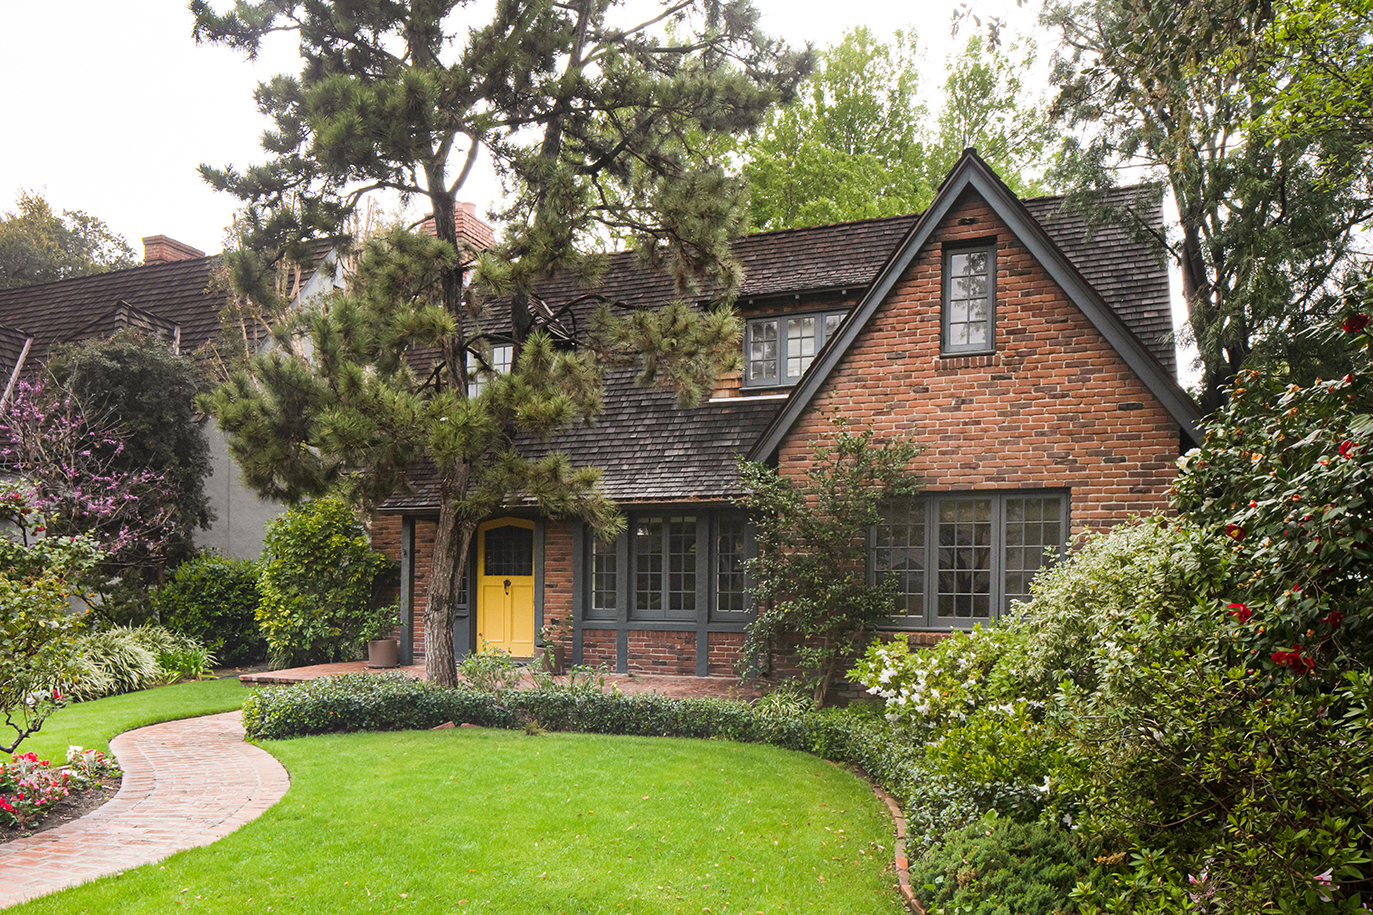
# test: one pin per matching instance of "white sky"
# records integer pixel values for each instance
(111, 106)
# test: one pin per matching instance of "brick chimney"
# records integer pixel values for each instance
(470, 229)
(159, 249)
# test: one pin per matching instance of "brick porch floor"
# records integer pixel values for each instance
(677, 687)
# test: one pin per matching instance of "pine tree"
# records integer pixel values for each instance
(599, 129)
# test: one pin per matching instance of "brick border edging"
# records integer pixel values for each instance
(900, 862)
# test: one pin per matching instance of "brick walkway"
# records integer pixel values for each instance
(186, 783)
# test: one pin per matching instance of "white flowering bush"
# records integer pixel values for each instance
(931, 689)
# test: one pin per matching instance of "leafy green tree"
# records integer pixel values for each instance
(858, 143)
(145, 392)
(599, 123)
(38, 246)
(1324, 45)
(38, 575)
(1267, 219)
(810, 576)
(849, 147)
(987, 104)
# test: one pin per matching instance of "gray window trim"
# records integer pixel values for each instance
(945, 347)
(930, 503)
(783, 379)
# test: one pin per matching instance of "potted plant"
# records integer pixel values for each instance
(554, 635)
(382, 649)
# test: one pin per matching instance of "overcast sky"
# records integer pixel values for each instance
(109, 106)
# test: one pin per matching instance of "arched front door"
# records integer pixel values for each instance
(505, 585)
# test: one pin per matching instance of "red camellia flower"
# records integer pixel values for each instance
(1334, 618)
(1234, 532)
(1240, 612)
(1299, 663)
(1346, 447)
(1355, 323)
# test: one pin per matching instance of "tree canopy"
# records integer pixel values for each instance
(1267, 216)
(145, 392)
(38, 246)
(600, 124)
(859, 142)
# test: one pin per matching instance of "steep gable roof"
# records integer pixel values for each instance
(973, 174)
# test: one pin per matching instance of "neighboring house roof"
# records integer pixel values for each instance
(175, 294)
(973, 174)
(650, 451)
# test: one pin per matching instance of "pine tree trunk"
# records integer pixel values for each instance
(445, 577)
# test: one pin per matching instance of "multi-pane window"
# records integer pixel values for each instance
(778, 350)
(964, 571)
(670, 568)
(899, 553)
(604, 568)
(960, 559)
(969, 301)
(501, 358)
(731, 552)
(665, 567)
(509, 551)
(1034, 529)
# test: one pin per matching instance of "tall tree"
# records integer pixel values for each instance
(145, 392)
(38, 246)
(988, 104)
(850, 146)
(858, 142)
(598, 123)
(1266, 218)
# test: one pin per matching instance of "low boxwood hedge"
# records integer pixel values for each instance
(393, 701)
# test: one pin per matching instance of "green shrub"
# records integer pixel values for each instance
(490, 670)
(393, 701)
(213, 599)
(316, 586)
(1001, 867)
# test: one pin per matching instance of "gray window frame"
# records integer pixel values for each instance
(946, 347)
(821, 337)
(929, 504)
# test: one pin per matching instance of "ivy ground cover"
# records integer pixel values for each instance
(476, 820)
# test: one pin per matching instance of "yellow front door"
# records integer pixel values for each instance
(505, 585)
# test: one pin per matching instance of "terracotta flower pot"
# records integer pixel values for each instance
(383, 653)
(552, 658)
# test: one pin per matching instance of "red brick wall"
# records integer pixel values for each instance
(723, 651)
(653, 652)
(386, 539)
(598, 647)
(1056, 406)
(557, 574)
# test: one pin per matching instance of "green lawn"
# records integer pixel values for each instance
(475, 820)
(92, 724)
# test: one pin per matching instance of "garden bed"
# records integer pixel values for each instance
(72, 807)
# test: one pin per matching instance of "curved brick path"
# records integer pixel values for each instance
(186, 783)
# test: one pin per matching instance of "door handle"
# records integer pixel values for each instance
(507, 586)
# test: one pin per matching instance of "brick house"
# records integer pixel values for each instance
(1031, 358)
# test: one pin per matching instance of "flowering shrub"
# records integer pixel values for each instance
(29, 786)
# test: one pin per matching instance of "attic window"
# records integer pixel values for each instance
(778, 350)
(498, 363)
(969, 301)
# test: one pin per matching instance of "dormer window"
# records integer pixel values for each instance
(498, 362)
(969, 301)
(779, 349)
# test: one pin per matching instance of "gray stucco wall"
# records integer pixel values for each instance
(240, 516)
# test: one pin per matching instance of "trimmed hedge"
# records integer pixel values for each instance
(394, 702)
